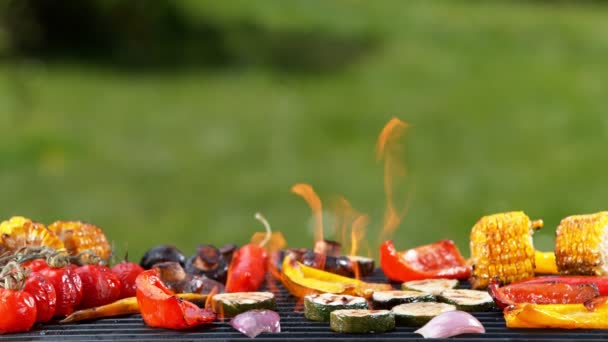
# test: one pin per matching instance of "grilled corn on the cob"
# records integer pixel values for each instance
(81, 237)
(581, 244)
(501, 247)
(19, 232)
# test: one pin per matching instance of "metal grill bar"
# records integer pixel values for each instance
(294, 328)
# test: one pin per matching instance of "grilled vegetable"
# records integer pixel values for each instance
(254, 322)
(417, 314)
(100, 286)
(249, 264)
(437, 260)
(600, 282)
(159, 307)
(501, 247)
(328, 248)
(127, 272)
(360, 321)
(317, 307)
(450, 324)
(541, 293)
(162, 253)
(592, 315)
(343, 265)
(17, 307)
(81, 237)
(124, 306)
(44, 295)
(432, 286)
(302, 280)
(389, 299)
(208, 261)
(232, 304)
(580, 244)
(544, 263)
(19, 232)
(174, 277)
(468, 300)
(227, 251)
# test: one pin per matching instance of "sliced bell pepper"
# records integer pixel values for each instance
(544, 263)
(437, 260)
(547, 293)
(302, 280)
(600, 282)
(161, 308)
(562, 316)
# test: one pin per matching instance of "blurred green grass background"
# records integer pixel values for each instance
(506, 100)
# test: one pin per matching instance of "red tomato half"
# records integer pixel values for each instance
(68, 287)
(18, 311)
(44, 295)
(99, 286)
(127, 272)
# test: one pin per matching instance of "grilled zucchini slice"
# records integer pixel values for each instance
(317, 307)
(417, 314)
(468, 300)
(432, 286)
(234, 303)
(360, 321)
(387, 299)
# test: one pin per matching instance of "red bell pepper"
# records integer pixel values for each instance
(437, 260)
(161, 308)
(247, 269)
(248, 266)
(541, 293)
(600, 282)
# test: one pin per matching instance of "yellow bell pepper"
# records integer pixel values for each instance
(561, 316)
(545, 263)
(302, 280)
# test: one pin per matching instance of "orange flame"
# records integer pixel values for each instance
(389, 150)
(209, 303)
(310, 196)
(357, 233)
(345, 215)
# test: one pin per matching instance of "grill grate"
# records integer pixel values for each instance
(293, 325)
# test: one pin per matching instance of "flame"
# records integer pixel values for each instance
(308, 193)
(209, 303)
(344, 216)
(357, 233)
(389, 150)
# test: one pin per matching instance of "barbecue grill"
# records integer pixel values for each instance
(294, 327)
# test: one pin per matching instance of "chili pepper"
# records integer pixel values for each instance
(121, 307)
(438, 260)
(248, 265)
(544, 263)
(563, 316)
(160, 307)
(600, 282)
(302, 280)
(541, 293)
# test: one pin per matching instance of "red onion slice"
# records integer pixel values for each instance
(254, 322)
(451, 323)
